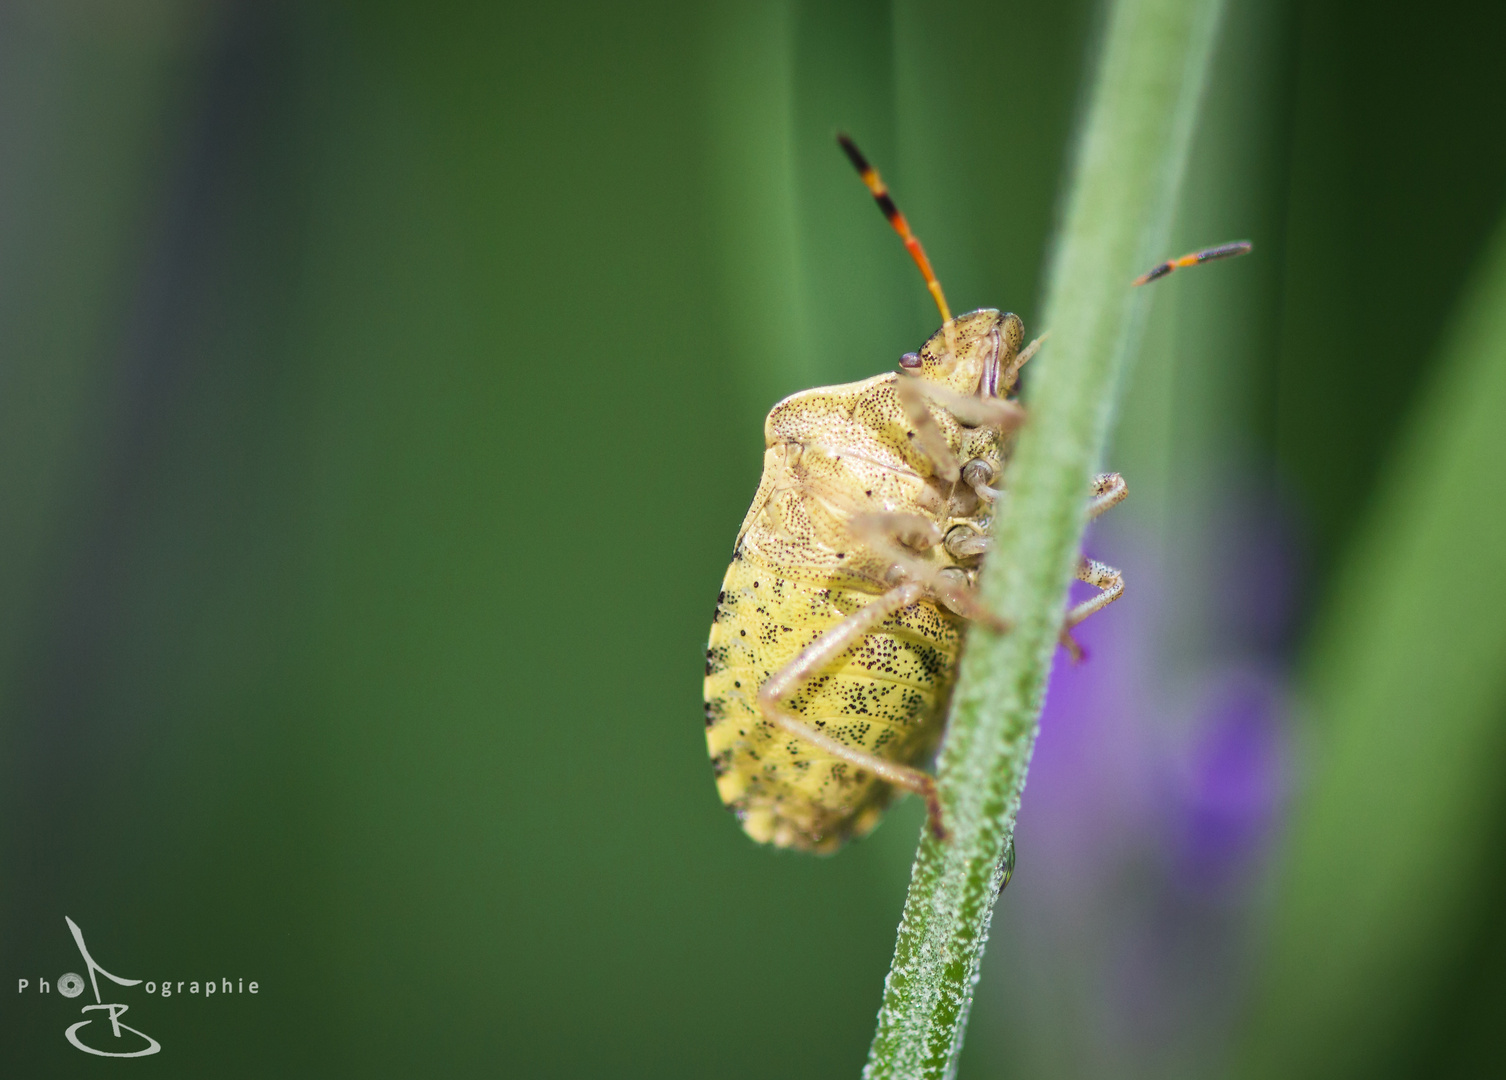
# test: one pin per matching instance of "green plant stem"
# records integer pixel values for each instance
(1129, 161)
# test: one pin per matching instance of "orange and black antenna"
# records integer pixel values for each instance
(891, 212)
(1221, 251)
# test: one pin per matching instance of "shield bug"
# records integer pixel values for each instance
(853, 577)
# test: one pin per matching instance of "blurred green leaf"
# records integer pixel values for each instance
(750, 117)
(1394, 833)
(86, 105)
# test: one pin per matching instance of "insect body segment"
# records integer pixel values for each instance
(840, 620)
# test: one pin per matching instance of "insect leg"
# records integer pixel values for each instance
(978, 474)
(1109, 490)
(966, 541)
(969, 409)
(1012, 372)
(1103, 577)
(817, 655)
(883, 531)
(927, 435)
(879, 532)
(962, 599)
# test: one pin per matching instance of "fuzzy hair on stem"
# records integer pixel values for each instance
(1131, 152)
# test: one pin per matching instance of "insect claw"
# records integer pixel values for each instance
(933, 812)
(965, 602)
(1074, 650)
(997, 623)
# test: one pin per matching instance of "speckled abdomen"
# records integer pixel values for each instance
(885, 695)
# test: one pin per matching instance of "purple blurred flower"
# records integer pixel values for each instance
(1155, 786)
(1232, 781)
(1131, 766)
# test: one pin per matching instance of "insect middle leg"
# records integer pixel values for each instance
(1102, 576)
(816, 656)
(1109, 490)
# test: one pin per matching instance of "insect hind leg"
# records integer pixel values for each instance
(816, 656)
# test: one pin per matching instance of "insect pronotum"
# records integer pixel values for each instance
(854, 575)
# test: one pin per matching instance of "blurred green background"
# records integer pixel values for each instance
(380, 392)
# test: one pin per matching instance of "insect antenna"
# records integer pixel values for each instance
(875, 184)
(1220, 251)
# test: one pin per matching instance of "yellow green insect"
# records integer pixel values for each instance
(841, 618)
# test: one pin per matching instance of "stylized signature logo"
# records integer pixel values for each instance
(71, 985)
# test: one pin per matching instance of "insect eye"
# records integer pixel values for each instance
(910, 360)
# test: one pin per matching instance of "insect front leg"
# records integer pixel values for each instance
(968, 409)
(1012, 372)
(818, 655)
(912, 399)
